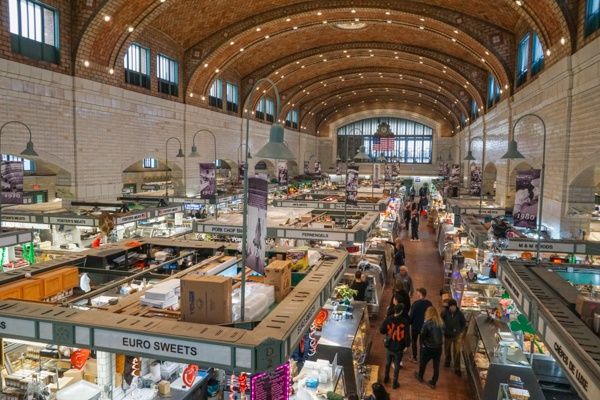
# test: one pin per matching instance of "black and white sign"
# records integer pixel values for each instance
(208, 181)
(352, 185)
(258, 189)
(525, 210)
(12, 182)
(282, 173)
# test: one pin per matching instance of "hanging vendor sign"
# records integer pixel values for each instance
(441, 168)
(525, 210)
(376, 175)
(475, 187)
(306, 168)
(395, 169)
(283, 173)
(318, 169)
(455, 175)
(208, 181)
(258, 188)
(241, 171)
(352, 185)
(338, 167)
(388, 173)
(12, 182)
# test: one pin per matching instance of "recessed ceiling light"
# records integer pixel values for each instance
(455, 31)
(324, 22)
(111, 71)
(217, 70)
(562, 40)
(421, 19)
(205, 65)
(242, 49)
(421, 27)
(107, 18)
(353, 11)
(267, 36)
(519, 2)
(548, 52)
(295, 27)
(387, 13)
(191, 94)
(319, 13)
(231, 43)
(162, 1)
(257, 29)
(389, 21)
(86, 63)
(130, 29)
(454, 40)
(287, 20)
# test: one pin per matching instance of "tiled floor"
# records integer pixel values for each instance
(425, 267)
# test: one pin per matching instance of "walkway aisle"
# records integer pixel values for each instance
(425, 266)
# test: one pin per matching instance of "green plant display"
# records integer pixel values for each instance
(344, 291)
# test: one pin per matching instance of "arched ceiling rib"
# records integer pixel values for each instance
(430, 56)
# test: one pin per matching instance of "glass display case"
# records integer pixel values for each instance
(474, 294)
(493, 357)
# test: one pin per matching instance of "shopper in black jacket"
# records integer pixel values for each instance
(432, 337)
(416, 316)
(454, 326)
(398, 256)
(399, 296)
(395, 326)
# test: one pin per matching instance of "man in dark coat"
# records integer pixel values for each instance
(395, 327)
(455, 325)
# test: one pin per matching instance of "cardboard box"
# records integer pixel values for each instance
(91, 378)
(298, 258)
(521, 394)
(206, 299)
(279, 275)
(76, 374)
(586, 306)
(118, 380)
(164, 387)
(64, 364)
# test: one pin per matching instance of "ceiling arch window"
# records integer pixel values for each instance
(215, 95)
(412, 140)
(28, 165)
(537, 55)
(150, 163)
(270, 110)
(522, 60)
(493, 91)
(592, 17)
(474, 110)
(167, 74)
(291, 120)
(137, 66)
(232, 97)
(34, 30)
(260, 109)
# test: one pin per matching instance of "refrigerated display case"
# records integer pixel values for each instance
(477, 295)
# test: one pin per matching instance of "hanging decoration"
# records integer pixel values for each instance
(2, 259)
(243, 384)
(232, 391)
(79, 358)
(313, 339)
(29, 252)
(189, 375)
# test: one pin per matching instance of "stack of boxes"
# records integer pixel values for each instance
(279, 275)
(206, 299)
(588, 308)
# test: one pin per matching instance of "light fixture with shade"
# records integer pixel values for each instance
(470, 157)
(179, 155)
(194, 154)
(274, 149)
(29, 151)
(362, 155)
(512, 154)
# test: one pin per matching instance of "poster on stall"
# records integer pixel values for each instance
(376, 175)
(352, 185)
(338, 168)
(388, 172)
(256, 233)
(283, 173)
(208, 181)
(306, 169)
(12, 182)
(318, 169)
(441, 168)
(475, 187)
(241, 171)
(272, 385)
(395, 169)
(525, 209)
(455, 175)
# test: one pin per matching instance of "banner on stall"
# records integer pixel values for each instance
(475, 187)
(395, 169)
(283, 173)
(241, 171)
(376, 175)
(525, 210)
(318, 169)
(208, 181)
(258, 189)
(387, 175)
(338, 167)
(12, 182)
(441, 168)
(352, 185)
(306, 169)
(455, 175)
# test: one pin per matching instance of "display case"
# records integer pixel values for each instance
(372, 269)
(493, 357)
(475, 295)
(348, 337)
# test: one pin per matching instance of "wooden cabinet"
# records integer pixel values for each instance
(70, 277)
(43, 285)
(33, 289)
(11, 291)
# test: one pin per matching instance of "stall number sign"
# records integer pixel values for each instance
(166, 347)
(17, 327)
(587, 386)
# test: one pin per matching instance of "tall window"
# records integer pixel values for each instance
(412, 140)
(260, 109)
(592, 17)
(232, 97)
(522, 60)
(215, 96)
(137, 66)
(167, 74)
(270, 110)
(34, 30)
(474, 110)
(291, 120)
(537, 55)
(150, 163)
(493, 91)
(28, 165)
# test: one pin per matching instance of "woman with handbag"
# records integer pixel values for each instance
(432, 337)
(394, 329)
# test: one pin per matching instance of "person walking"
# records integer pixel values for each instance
(414, 226)
(432, 336)
(398, 256)
(395, 327)
(455, 325)
(399, 296)
(416, 317)
(406, 280)
(407, 216)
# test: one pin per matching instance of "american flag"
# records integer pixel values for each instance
(383, 143)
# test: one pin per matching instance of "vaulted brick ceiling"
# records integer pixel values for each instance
(331, 59)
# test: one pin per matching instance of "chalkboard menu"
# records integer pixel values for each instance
(271, 385)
